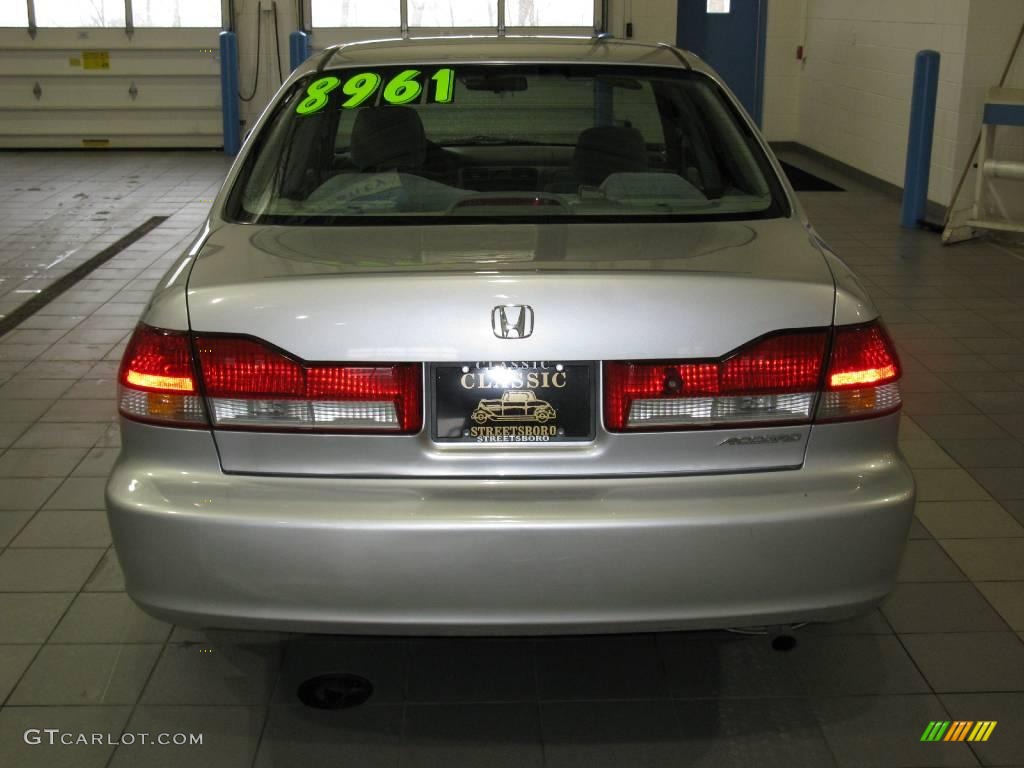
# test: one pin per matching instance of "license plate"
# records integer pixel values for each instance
(513, 402)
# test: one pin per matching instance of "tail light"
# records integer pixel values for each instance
(772, 381)
(157, 380)
(862, 375)
(251, 384)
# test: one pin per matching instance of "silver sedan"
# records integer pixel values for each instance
(516, 335)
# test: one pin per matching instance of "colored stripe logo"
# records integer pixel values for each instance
(958, 730)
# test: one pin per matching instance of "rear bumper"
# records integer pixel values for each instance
(202, 548)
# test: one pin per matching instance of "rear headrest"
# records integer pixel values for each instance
(608, 149)
(385, 138)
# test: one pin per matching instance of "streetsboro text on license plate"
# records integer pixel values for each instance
(513, 434)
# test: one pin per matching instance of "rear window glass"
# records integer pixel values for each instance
(538, 143)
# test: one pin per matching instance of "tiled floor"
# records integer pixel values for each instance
(76, 655)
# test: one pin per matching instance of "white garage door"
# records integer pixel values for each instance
(100, 84)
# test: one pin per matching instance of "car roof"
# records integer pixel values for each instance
(501, 49)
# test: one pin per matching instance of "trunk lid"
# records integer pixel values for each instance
(426, 294)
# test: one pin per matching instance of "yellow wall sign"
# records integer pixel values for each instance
(95, 59)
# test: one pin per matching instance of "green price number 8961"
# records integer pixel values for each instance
(403, 88)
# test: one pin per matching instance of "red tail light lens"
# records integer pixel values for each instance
(862, 374)
(251, 384)
(773, 380)
(157, 379)
(862, 355)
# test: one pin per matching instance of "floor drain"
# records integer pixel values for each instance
(335, 691)
(783, 642)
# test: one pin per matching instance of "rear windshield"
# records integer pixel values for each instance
(528, 143)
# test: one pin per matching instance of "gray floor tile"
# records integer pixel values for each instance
(910, 430)
(15, 721)
(940, 426)
(995, 402)
(107, 576)
(1011, 423)
(46, 570)
(229, 737)
(885, 732)
(61, 436)
(97, 463)
(95, 389)
(32, 389)
(86, 674)
(227, 673)
(947, 485)
(717, 665)
(72, 411)
(954, 607)
(79, 493)
(472, 669)
(593, 734)
(917, 530)
(27, 493)
(1001, 482)
(988, 559)
(108, 617)
(65, 528)
(1006, 744)
(10, 523)
(986, 453)
(971, 382)
(926, 454)
(856, 664)
(967, 520)
(14, 660)
(54, 369)
(1007, 597)
(609, 667)
(939, 402)
(969, 663)
(299, 737)
(926, 561)
(502, 735)
(40, 462)
(383, 662)
(30, 618)
(1016, 508)
(740, 733)
(11, 431)
(23, 410)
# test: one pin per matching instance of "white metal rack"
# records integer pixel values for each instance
(1003, 107)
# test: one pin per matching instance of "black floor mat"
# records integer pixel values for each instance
(803, 181)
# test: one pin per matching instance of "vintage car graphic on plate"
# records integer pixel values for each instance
(515, 405)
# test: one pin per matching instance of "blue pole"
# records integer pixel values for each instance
(229, 93)
(298, 48)
(919, 145)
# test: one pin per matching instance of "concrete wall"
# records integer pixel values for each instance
(786, 25)
(856, 83)
(654, 21)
